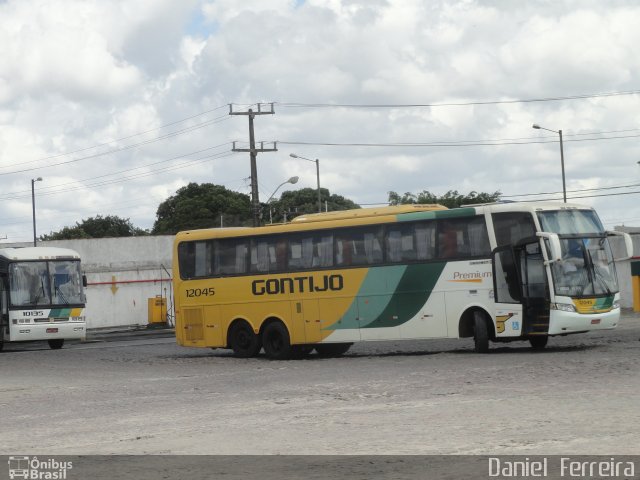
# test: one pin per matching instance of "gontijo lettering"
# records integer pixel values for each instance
(275, 286)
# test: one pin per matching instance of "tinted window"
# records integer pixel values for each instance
(359, 247)
(511, 227)
(231, 257)
(310, 251)
(411, 241)
(464, 237)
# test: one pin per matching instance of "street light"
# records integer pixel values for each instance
(292, 180)
(33, 206)
(317, 162)
(559, 132)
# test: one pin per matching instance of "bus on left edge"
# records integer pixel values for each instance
(41, 296)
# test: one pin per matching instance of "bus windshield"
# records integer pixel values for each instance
(45, 283)
(586, 268)
(570, 222)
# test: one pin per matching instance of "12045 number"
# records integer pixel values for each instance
(201, 292)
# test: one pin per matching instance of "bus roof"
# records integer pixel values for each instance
(38, 253)
(367, 212)
(375, 215)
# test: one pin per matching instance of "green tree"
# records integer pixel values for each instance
(451, 199)
(202, 206)
(297, 202)
(97, 227)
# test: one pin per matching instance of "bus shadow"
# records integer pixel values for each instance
(501, 350)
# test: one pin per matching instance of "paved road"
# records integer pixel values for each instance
(142, 394)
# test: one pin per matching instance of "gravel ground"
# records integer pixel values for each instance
(142, 394)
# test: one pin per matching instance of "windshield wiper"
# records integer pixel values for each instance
(61, 296)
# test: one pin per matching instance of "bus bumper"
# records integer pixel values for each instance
(571, 322)
(29, 332)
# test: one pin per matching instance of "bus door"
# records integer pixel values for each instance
(535, 288)
(507, 290)
(521, 290)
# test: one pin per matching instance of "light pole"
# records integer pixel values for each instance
(317, 162)
(33, 205)
(559, 132)
(292, 180)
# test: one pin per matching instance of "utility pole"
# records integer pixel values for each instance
(253, 154)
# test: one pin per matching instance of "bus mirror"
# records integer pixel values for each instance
(554, 249)
(628, 243)
(84, 281)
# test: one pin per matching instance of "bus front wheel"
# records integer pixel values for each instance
(276, 341)
(480, 333)
(243, 341)
(56, 343)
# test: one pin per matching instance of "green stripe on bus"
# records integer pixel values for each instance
(372, 291)
(411, 294)
(60, 312)
(374, 308)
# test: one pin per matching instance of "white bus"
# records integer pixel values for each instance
(498, 272)
(41, 295)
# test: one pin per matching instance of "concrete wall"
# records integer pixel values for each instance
(624, 268)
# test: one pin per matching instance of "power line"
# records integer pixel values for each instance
(462, 143)
(455, 104)
(120, 139)
(127, 147)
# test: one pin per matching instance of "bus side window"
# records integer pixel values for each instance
(231, 257)
(448, 244)
(425, 240)
(401, 245)
(323, 256)
(187, 259)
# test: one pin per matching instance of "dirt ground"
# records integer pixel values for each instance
(148, 396)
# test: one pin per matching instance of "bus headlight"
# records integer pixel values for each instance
(77, 319)
(563, 307)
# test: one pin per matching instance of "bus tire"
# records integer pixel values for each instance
(332, 349)
(276, 341)
(538, 342)
(243, 341)
(480, 333)
(56, 343)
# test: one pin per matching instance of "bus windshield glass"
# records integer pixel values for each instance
(45, 283)
(570, 222)
(586, 268)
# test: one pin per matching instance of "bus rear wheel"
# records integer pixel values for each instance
(243, 341)
(276, 341)
(538, 342)
(480, 333)
(56, 343)
(333, 349)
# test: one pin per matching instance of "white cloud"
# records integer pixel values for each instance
(76, 74)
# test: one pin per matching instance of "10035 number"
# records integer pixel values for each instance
(200, 292)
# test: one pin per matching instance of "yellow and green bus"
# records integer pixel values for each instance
(497, 272)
